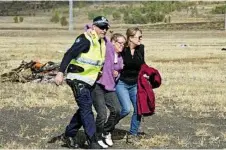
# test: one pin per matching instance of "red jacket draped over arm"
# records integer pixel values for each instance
(145, 93)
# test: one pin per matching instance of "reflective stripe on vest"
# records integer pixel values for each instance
(92, 61)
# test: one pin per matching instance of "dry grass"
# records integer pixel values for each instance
(183, 142)
(202, 132)
(160, 141)
(194, 76)
(193, 82)
(31, 95)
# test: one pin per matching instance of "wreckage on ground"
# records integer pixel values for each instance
(32, 71)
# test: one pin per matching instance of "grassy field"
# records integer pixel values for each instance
(191, 106)
(190, 103)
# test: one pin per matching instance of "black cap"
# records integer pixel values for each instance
(101, 21)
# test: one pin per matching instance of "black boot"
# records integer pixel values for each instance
(92, 143)
(70, 142)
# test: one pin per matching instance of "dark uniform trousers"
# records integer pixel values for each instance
(84, 115)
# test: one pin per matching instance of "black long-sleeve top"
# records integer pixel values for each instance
(81, 45)
(132, 64)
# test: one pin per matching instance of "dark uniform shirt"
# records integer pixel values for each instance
(81, 45)
(132, 64)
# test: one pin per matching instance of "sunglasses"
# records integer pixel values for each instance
(139, 37)
(103, 27)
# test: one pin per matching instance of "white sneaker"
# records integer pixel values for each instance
(108, 139)
(102, 144)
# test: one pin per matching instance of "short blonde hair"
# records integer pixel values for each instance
(115, 36)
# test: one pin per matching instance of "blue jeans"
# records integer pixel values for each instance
(127, 94)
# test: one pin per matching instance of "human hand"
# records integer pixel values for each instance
(146, 76)
(115, 73)
(59, 78)
(89, 31)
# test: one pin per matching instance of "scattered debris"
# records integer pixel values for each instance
(183, 45)
(32, 71)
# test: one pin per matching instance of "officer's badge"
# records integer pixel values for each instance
(77, 40)
(103, 19)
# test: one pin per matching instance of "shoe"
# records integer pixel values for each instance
(102, 144)
(92, 143)
(108, 139)
(70, 142)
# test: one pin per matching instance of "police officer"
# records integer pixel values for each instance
(83, 61)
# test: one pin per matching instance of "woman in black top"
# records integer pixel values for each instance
(126, 88)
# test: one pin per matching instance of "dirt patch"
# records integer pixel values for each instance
(33, 128)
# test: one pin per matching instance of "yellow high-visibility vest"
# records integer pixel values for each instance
(91, 62)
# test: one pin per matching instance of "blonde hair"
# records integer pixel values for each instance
(131, 32)
(115, 36)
